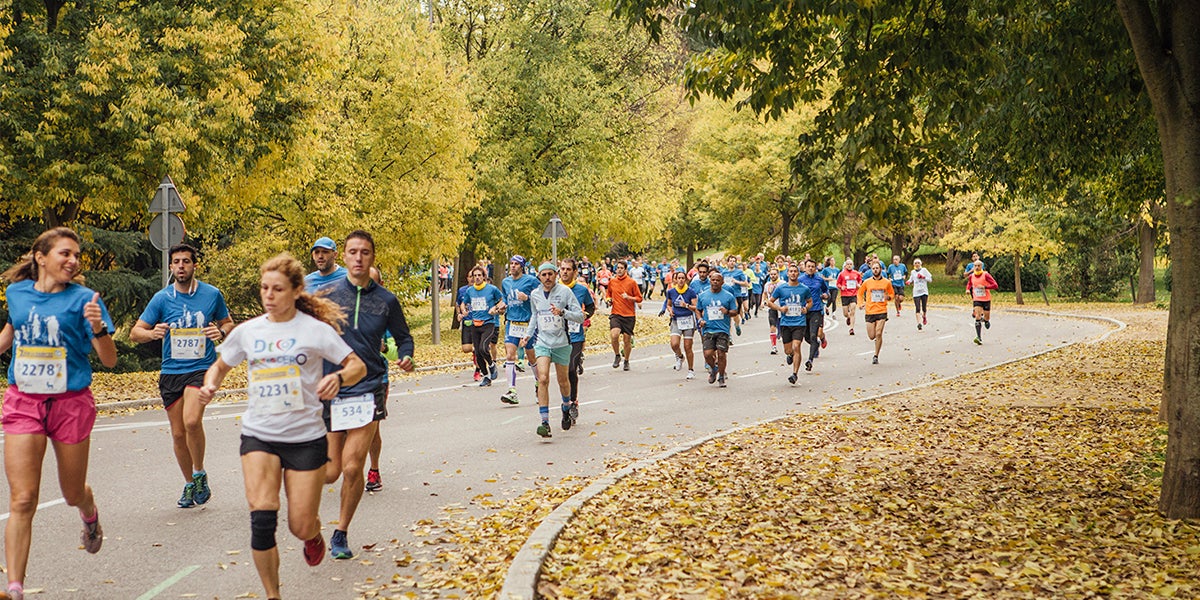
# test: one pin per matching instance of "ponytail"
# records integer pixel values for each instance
(26, 267)
(318, 307)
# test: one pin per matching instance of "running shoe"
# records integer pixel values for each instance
(738, 327)
(374, 481)
(918, 326)
(712, 376)
(188, 499)
(851, 331)
(874, 360)
(808, 365)
(544, 430)
(92, 536)
(339, 546)
(925, 319)
(478, 375)
(625, 367)
(314, 550)
(510, 397)
(987, 324)
(485, 382)
(520, 366)
(824, 343)
(616, 361)
(691, 375)
(790, 359)
(978, 342)
(792, 379)
(574, 413)
(897, 313)
(493, 372)
(774, 350)
(721, 381)
(847, 321)
(678, 363)
(12, 594)
(202, 492)
(566, 418)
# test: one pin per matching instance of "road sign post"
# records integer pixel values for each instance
(554, 230)
(166, 229)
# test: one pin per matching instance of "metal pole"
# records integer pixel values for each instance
(435, 291)
(166, 238)
(554, 245)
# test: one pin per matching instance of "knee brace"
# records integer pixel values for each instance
(262, 528)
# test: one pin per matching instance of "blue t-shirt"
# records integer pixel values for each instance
(679, 302)
(816, 286)
(865, 269)
(518, 311)
(971, 267)
(52, 321)
(313, 282)
(186, 311)
(575, 330)
(708, 302)
(698, 285)
(732, 276)
(479, 301)
(897, 274)
(792, 299)
(760, 271)
(830, 273)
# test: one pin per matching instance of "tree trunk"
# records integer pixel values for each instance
(1017, 279)
(953, 260)
(1169, 61)
(847, 246)
(786, 233)
(860, 256)
(1147, 243)
(691, 256)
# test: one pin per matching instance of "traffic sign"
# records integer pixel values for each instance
(166, 199)
(175, 232)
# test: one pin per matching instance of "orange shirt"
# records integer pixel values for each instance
(874, 295)
(981, 286)
(621, 306)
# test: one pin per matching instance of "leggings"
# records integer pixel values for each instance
(922, 303)
(755, 302)
(573, 369)
(481, 337)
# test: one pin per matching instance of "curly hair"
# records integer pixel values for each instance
(318, 307)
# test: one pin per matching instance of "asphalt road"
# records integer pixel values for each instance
(447, 441)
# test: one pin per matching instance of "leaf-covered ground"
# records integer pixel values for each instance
(1038, 479)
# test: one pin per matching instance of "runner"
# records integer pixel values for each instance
(967, 270)
(324, 256)
(815, 323)
(638, 273)
(739, 287)
(54, 323)
(829, 272)
(792, 301)
(482, 301)
(283, 437)
(577, 331)
(980, 284)
(699, 281)
(772, 314)
(603, 276)
(682, 301)
(462, 313)
(920, 278)
(189, 317)
(717, 307)
(352, 418)
(623, 296)
(848, 282)
(760, 269)
(874, 295)
(896, 272)
(553, 306)
(516, 288)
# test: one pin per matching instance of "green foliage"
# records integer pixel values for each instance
(1034, 273)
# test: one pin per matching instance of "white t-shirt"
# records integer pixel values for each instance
(285, 364)
(638, 274)
(920, 284)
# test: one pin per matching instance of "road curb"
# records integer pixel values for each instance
(520, 583)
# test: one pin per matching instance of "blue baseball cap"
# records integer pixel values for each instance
(324, 243)
(517, 258)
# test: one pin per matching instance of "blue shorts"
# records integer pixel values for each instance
(516, 341)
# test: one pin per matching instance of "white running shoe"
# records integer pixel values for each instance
(678, 363)
(691, 374)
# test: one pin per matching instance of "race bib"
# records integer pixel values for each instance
(851, 284)
(549, 321)
(479, 304)
(979, 292)
(713, 313)
(878, 296)
(685, 322)
(41, 369)
(897, 276)
(795, 310)
(351, 413)
(518, 330)
(188, 344)
(275, 390)
(574, 327)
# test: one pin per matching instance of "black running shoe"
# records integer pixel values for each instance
(616, 361)
(808, 365)
(792, 379)
(566, 420)
(874, 360)
(712, 376)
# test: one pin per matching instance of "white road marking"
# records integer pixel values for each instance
(755, 374)
(4, 517)
(946, 337)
